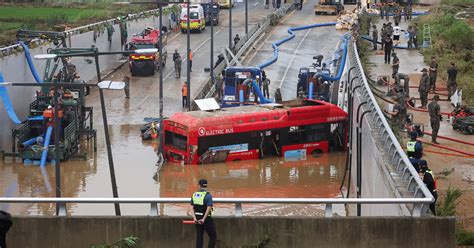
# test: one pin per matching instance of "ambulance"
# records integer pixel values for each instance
(197, 20)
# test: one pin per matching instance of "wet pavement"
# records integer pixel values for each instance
(135, 159)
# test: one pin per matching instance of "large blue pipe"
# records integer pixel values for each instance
(47, 138)
(241, 97)
(310, 93)
(29, 142)
(338, 76)
(257, 90)
(7, 103)
(30, 62)
(291, 36)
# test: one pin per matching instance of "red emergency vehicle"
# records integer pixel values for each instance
(146, 64)
(292, 128)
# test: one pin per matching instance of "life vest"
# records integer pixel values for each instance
(198, 204)
(432, 175)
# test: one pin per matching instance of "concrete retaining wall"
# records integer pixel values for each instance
(235, 232)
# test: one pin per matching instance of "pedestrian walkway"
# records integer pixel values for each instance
(440, 160)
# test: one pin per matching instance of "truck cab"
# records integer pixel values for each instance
(197, 19)
(234, 81)
(147, 64)
(211, 12)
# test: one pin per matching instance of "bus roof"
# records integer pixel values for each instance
(293, 110)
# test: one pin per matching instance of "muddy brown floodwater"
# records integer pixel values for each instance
(135, 168)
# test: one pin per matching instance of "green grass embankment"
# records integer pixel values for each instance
(452, 41)
(15, 17)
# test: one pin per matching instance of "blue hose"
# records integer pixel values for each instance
(29, 142)
(338, 76)
(7, 103)
(291, 36)
(30, 63)
(47, 138)
(310, 92)
(262, 98)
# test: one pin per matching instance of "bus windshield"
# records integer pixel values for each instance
(175, 140)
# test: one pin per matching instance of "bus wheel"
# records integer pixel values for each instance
(237, 160)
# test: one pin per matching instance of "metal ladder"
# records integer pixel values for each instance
(426, 36)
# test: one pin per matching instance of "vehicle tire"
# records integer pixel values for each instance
(316, 152)
(316, 12)
(183, 31)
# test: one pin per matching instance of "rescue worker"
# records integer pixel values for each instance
(396, 113)
(278, 98)
(452, 84)
(219, 84)
(184, 95)
(201, 202)
(435, 118)
(411, 34)
(236, 39)
(126, 89)
(301, 94)
(415, 35)
(424, 87)
(5, 225)
(266, 85)
(383, 34)
(433, 73)
(395, 64)
(388, 46)
(406, 82)
(428, 178)
(375, 36)
(177, 63)
(414, 147)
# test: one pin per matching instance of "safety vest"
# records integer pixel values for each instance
(435, 183)
(411, 146)
(198, 204)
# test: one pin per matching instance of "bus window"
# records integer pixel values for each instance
(233, 143)
(307, 134)
(175, 140)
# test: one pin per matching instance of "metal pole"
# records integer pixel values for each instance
(246, 17)
(188, 49)
(56, 144)
(230, 24)
(212, 50)
(109, 152)
(160, 131)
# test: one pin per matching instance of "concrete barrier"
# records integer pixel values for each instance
(236, 232)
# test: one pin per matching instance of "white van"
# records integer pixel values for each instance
(197, 20)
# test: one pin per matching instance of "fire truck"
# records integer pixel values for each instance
(146, 64)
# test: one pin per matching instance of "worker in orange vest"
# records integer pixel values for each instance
(184, 93)
(190, 60)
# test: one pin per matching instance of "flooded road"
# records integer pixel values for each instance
(135, 160)
(135, 168)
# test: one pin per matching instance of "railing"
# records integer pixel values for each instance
(391, 147)
(5, 51)
(209, 88)
(153, 202)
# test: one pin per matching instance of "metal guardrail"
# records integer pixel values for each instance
(396, 156)
(209, 88)
(328, 202)
(75, 31)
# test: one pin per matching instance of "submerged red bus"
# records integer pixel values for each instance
(292, 128)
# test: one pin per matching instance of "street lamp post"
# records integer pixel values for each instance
(160, 131)
(188, 50)
(230, 24)
(246, 17)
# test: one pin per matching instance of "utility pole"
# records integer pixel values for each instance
(230, 24)
(161, 143)
(188, 49)
(246, 17)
